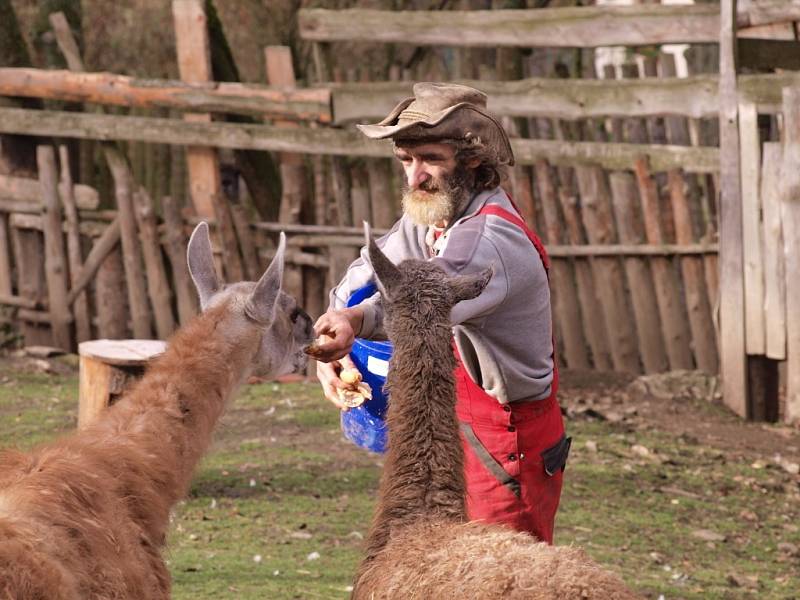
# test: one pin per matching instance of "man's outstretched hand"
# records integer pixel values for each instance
(336, 331)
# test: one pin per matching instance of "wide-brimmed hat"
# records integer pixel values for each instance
(441, 111)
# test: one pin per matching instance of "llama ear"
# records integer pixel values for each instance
(467, 287)
(264, 298)
(200, 258)
(387, 275)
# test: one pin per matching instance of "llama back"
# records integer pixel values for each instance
(437, 559)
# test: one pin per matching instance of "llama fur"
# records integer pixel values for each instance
(421, 544)
(86, 517)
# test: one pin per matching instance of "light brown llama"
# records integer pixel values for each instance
(86, 517)
(420, 544)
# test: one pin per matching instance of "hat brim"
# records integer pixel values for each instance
(436, 126)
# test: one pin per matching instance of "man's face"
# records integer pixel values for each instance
(435, 182)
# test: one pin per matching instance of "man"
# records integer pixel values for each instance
(453, 153)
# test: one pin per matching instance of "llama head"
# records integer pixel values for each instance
(420, 290)
(255, 310)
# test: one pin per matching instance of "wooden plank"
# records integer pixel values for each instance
(751, 13)
(80, 306)
(5, 257)
(696, 96)
(24, 189)
(10, 300)
(546, 97)
(158, 288)
(599, 224)
(333, 141)
(56, 270)
(194, 64)
(585, 277)
(774, 267)
(97, 255)
(241, 223)
(750, 157)
(131, 250)
(731, 267)
(566, 309)
(640, 281)
(577, 27)
(66, 41)
(111, 298)
(94, 384)
(120, 90)
(175, 242)
(698, 308)
(790, 212)
(670, 307)
(280, 71)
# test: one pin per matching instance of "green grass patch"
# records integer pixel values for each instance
(279, 507)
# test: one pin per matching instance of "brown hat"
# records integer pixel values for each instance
(443, 111)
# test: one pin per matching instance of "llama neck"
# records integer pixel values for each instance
(164, 425)
(423, 476)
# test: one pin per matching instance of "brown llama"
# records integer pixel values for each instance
(86, 517)
(420, 544)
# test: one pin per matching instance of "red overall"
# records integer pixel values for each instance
(514, 453)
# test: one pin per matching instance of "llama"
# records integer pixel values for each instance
(420, 544)
(85, 517)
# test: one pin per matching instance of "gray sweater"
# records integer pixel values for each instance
(504, 336)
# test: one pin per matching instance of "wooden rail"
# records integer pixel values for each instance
(574, 27)
(120, 90)
(331, 141)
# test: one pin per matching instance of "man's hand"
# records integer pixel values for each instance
(337, 329)
(328, 375)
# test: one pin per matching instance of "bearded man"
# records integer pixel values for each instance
(455, 213)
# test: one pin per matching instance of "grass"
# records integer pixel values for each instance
(279, 508)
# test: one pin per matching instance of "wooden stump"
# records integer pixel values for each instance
(107, 368)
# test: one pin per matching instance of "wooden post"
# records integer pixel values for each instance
(55, 259)
(585, 276)
(670, 307)
(750, 153)
(790, 209)
(566, 310)
(774, 260)
(194, 64)
(241, 224)
(5, 257)
(157, 283)
(176, 241)
(80, 307)
(381, 195)
(599, 224)
(111, 299)
(280, 72)
(732, 335)
(699, 311)
(131, 252)
(640, 281)
(31, 285)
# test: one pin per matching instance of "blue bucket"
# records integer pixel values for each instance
(365, 425)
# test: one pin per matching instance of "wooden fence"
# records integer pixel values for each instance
(620, 176)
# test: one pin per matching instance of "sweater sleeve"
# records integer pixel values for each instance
(403, 241)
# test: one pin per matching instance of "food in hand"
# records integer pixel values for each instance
(357, 392)
(352, 377)
(355, 397)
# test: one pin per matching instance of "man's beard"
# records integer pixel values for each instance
(437, 200)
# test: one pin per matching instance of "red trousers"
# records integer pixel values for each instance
(514, 457)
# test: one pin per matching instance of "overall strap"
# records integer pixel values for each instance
(499, 211)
